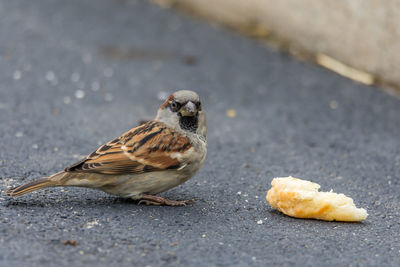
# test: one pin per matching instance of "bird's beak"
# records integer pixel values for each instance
(188, 110)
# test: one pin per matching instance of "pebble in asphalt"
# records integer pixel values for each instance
(75, 74)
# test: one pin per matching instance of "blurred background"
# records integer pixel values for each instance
(362, 34)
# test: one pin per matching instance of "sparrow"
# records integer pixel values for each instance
(144, 161)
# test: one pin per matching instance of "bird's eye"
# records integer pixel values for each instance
(198, 105)
(174, 106)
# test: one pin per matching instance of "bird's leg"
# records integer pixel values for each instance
(156, 200)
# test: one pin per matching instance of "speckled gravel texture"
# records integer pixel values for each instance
(77, 73)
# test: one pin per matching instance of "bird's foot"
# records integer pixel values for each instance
(160, 201)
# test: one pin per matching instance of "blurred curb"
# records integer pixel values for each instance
(356, 39)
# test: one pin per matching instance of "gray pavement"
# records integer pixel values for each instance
(74, 74)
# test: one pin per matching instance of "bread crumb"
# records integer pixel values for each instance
(301, 199)
(231, 113)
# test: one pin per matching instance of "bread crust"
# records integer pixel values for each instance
(301, 199)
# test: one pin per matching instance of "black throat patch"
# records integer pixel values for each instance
(189, 123)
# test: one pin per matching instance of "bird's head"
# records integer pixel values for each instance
(183, 111)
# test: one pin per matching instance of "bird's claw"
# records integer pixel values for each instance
(158, 201)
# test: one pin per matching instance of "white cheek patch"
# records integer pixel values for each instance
(168, 117)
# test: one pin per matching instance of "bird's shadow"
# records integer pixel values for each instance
(88, 201)
(43, 202)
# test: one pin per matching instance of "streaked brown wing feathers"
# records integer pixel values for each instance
(148, 147)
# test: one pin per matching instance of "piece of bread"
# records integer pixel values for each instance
(301, 199)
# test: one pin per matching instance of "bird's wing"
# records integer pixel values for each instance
(149, 147)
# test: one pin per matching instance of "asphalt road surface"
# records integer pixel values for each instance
(74, 74)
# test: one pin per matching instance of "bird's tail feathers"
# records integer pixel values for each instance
(34, 185)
